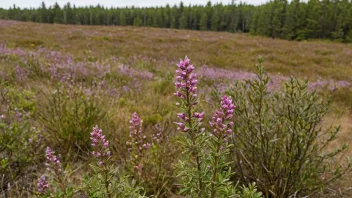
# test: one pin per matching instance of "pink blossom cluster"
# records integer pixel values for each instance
(185, 80)
(137, 138)
(186, 90)
(222, 123)
(52, 161)
(181, 126)
(100, 144)
(42, 184)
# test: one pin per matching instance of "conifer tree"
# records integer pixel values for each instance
(203, 23)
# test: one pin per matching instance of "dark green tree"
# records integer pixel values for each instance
(203, 23)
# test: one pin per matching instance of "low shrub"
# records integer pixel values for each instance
(67, 114)
(20, 143)
(279, 140)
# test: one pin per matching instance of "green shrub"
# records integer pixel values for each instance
(119, 185)
(279, 141)
(66, 115)
(30, 43)
(19, 143)
(250, 191)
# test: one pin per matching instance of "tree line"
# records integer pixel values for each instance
(295, 20)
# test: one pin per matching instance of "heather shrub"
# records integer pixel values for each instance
(164, 86)
(67, 113)
(19, 143)
(18, 155)
(279, 141)
(157, 170)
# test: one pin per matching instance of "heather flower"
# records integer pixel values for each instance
(21, 73)
(53, 164)
(100, 145)
(52, 161)
(125, 70)
(138, 143)
(42, 185)
(158, 136)
(222, 118)
(137, 138)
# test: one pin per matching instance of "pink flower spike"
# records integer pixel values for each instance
(52, 162)
(138, 141)
(42, 185)
(100, 144)
(222, 123)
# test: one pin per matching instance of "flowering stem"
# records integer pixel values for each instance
(195, 148)
(222, 129)
(186, 82)
(53, 163)
(138, 143)
(102, 153)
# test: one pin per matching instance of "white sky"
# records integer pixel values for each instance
(116, 3)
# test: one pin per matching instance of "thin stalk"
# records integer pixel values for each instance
(60, 181)
(216, 164)
(195, 147)
(107, 182)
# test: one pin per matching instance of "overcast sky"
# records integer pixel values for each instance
(116, 3)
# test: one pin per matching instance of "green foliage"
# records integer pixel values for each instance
(153, 119)
(250, 191)
(279, 141)
(19, 143)
(118, 185)
(28, 43)
(67, 115)
(191, 170)
(210, 168)
(183, 22)
(342, 97)
(203, 23)
(204, 171)
(159, 167)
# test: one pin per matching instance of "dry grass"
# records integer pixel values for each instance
(234, 51)
(342, 187)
